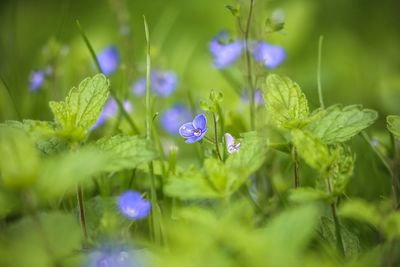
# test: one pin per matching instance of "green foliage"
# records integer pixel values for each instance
(341, 168)
(214, 99)
(285, 102)
(339, 124)
(125, 152)
(393, 125)
(308, 194)
(81, 108)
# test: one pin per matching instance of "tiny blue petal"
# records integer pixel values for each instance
(200, 121)
(36, 80)
(133, 206)
(186, 130)
(139, 87)
(109, 60)
(195, 130)
(270, 55)
(112, 256)
(225, 54)
(163, 83)
(172, 119)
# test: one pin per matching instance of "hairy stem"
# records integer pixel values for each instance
(249, 68)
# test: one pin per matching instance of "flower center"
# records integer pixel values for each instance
(197, 132)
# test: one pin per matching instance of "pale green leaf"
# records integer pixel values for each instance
(358, 209)
(285, 102)
(391, 225)
(393, 125)
(125, 152)
(308, 194)
(82, 107)
(339, 124)
(312, 150)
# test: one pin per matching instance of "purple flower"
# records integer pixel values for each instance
(36, 80)
(108, 59)
(163, 83)
(195, 130)
(112, 256)
(224, 53)
(139, 87)
(231, 146)
(173, 118)
(110, 109)
(270, 55)
(258, 98)
(132, 205)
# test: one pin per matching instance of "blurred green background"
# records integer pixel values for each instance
(360, 58)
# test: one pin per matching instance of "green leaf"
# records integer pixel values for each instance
(19, 160)
(216, 173)
(81, 108)
(307, 194)
(286, 102)
(63, 172)
(313, 151)
(125, 152)
(393, 125)
(339, 124)
(358, 209)
(391, 226)
(342, 168)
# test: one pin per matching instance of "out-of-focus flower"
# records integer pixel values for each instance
(110, 110)
(231, 145)
(225, 53)
(258, 98)
(112, 256)
(270, 55)
(132, 205)
(108, 59)
(36, 80)
(195, 130)
(163, 83)
(173, 118)
(139, 87)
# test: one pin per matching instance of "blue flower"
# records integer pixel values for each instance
(225, 53)
(110, 109)
(231, 145)
(270, 55)
(112, 256)
(195, 130)
(36, 80)
(163, 83)
(132, 205)
(139, 87)
(258, 98)
(108, 59)
(173, 118)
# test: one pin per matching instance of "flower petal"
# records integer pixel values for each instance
(186, 130)
(229, 140)
(200, 122)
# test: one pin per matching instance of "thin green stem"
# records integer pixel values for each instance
(11, 97)
(296, 176)
(321, 99)
(81, 209)
(216, 136)
(395, 172)
(96, 61)
(249, 68)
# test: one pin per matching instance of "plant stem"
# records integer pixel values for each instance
(321, 100)
(249, 69)
(216, 136)
(395, 172)
(81, 209)
(296, 175)
(11, 97)
(338, 231)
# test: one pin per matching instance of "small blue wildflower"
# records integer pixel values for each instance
(224, 53)
(163, 83)
(270, 55)
(36, 80)
(231, 145)
(110, 110)
(195, 130)
(139, 87)
(108, 59)
(112, 256)
(174, 117)
(132, 205)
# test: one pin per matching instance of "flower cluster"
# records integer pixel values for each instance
(226, 52)
(162, 83)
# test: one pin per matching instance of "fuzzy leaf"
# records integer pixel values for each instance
(313, 151)
(286, 102)
(339, 124)
(125, 152)
(393, 125)
(82, 107)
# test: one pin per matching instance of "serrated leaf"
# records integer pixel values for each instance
(393, 125)
(82, 107)
(285, 102)
(312, 150)
(126, 152)
(341, 168)
(339, 124)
